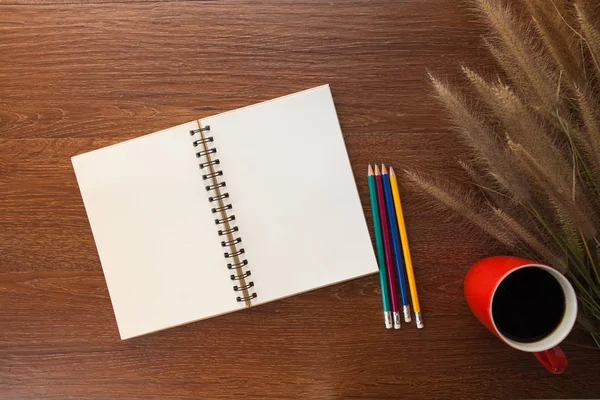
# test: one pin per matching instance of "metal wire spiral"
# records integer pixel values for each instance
(222, 213)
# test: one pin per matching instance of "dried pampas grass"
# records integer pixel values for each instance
(534, 135)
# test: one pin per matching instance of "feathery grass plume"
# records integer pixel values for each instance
(568, 211)
(479, 178)
(591, 36)
(529, 239)
(487, 149)
(552, 167)
(484, 183)
(463, 202)
(514, 73)
(475, 175)
(520, 50)
(481, 86)
(535, 163)
(590, 114)
(490, 94)
(516, 117)
(546, 110)
(559, 41)
(585, 164)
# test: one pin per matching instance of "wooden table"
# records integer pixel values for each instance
(78, 75)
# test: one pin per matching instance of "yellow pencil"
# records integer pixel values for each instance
(412, 284)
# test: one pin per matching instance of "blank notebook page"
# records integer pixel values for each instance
(154, 231)
(293, 193)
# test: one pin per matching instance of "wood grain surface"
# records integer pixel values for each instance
(79, 75)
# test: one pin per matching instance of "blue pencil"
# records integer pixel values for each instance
(389, 203)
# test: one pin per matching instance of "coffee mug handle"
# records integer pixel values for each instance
(554, 360)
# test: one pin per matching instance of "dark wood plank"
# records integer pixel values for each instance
(78, 77)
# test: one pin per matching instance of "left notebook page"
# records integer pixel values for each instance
(154, 231)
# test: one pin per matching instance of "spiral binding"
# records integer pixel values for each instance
(240, 273)
(237, 265)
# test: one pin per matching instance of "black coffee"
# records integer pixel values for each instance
(528, 305)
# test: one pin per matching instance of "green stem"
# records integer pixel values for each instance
(583, 291)
(593, 264)
(590, 182)
(565, 248)
(596, 337)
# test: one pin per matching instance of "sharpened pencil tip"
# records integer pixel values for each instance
(377, 170)
(370, 170)
(392, 173)
(383, 169)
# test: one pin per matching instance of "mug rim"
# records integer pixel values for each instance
(561, 331)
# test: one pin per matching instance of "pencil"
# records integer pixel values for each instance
(385, 298)
(387, 250)
(406, 249)
(389, 202)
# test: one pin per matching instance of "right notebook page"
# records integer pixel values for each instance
(293, 194)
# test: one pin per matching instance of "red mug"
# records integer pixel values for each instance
(531, 307)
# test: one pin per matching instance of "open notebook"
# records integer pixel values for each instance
(226, 212)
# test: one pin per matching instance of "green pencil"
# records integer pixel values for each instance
(387, 314)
